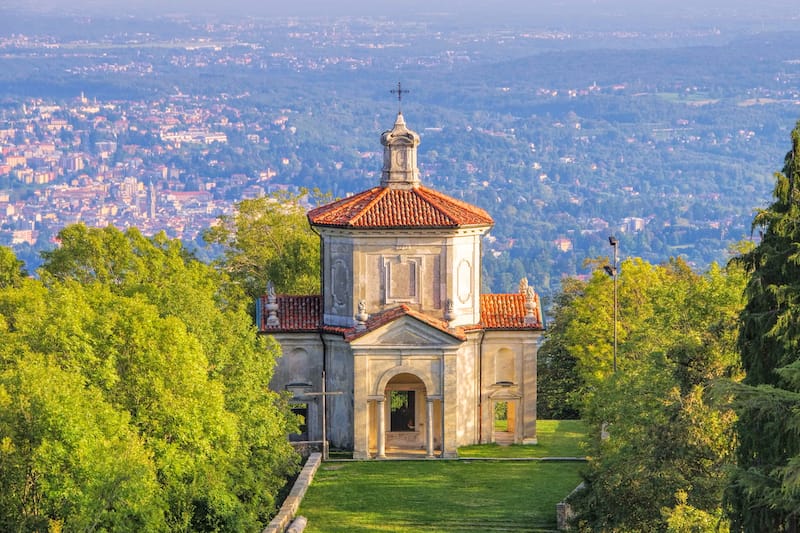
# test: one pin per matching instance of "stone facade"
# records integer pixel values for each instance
(412, 356)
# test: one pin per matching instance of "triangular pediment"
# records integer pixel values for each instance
(406, 331)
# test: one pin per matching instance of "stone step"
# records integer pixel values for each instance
(456, 525)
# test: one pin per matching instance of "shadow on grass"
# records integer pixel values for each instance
(557, 438)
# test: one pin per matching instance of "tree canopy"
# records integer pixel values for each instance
(134, 394)
(661, 440)
(11, 269)
(269, 239)
(558, 382)
(765, 494)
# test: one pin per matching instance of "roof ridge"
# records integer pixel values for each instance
(366, 208)
(436, 205)
(387, 316)
(450, 199)
(442, 201)
(341, 203)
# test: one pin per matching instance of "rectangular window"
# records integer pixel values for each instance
(402, 405)
(301, 410)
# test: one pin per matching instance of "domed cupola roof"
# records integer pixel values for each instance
(400, 201)
(400, 156)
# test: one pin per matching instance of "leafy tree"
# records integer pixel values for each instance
(668, 440)
(765, 493)
(87, 255)
(11, 269)
(166, 343)
(558, 381)
(684, 518)
(269, 239)
(68, 459)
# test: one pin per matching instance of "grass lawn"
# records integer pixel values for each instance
(557, 438)
(437, 496)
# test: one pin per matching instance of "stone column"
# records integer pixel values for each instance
(429, 427)
(449, 400)
(381, 429)
(361, 415)
(528, 403)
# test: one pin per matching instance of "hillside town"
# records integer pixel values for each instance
(63, 164)
(127, 125)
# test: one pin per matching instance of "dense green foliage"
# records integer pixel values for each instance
(437, 496)
(133, 394)
(269, 239)
(557, 378)
(11, 268)
(765, 495)
(659, 440)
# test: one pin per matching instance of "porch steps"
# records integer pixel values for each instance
(474, 525)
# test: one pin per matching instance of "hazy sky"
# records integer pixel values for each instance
(497, 10)
(372, 7)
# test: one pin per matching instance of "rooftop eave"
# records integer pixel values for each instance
(401, 227)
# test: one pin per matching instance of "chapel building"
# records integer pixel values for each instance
(401, 349)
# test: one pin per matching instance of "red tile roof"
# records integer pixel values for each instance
(295, 313)
(384, 207)
(390, 315)
(304, 314)
(506, 311)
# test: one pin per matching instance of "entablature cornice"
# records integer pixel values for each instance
(429, 352)
(372, 233)
(512, 336)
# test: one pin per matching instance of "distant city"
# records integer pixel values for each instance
(667, 137)
(69, 157)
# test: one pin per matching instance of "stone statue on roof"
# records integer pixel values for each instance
(272, 306)
(362, 316)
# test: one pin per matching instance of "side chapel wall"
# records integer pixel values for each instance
(300, 362)
(340, 372)
(505, 354)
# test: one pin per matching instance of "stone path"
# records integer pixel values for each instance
(504, 438)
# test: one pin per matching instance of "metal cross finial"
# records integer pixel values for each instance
(399, 92)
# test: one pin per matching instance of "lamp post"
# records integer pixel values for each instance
(612, 271)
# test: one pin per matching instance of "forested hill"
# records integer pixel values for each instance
(667, 139)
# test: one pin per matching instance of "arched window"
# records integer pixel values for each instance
(505, 366)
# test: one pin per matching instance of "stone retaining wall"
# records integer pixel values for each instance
(564, 511)
(292, 502)
(305, 448)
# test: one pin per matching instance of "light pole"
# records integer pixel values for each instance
(612, 271)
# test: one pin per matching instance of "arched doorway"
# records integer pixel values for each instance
(408, 417)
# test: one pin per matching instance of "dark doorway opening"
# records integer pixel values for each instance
(403, 410)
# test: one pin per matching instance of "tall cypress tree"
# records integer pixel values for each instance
(765, 491)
